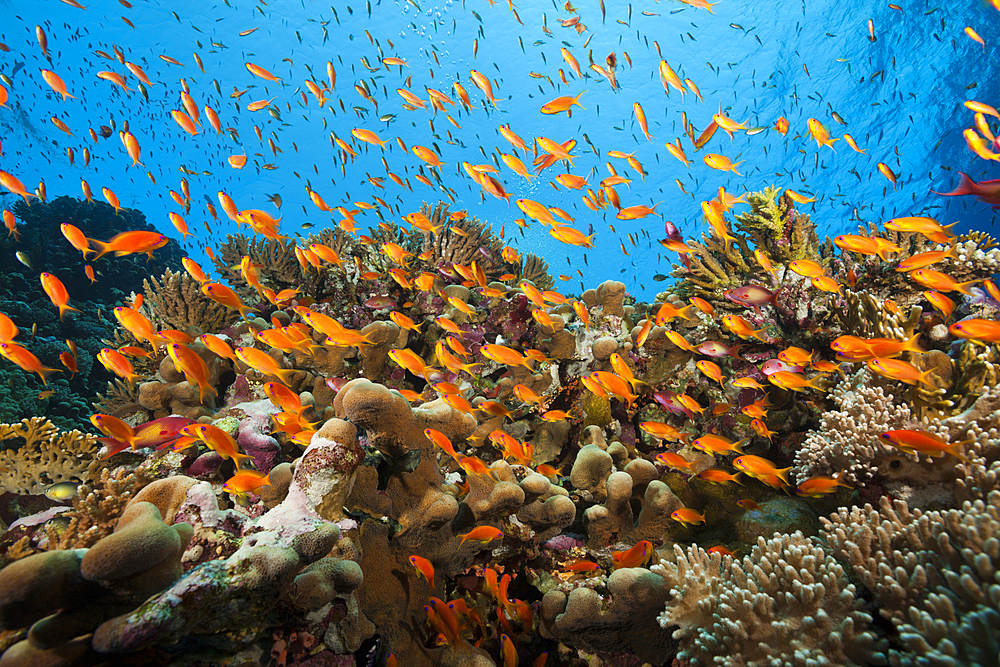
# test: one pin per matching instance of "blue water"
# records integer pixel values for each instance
(757, 60)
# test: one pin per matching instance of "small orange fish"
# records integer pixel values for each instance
(57, 293)
(718, 476)
(896, 369)
(761, 468)
(820, 485)
(687, 516)
(984, 331)
(634, 557)
(561, 104)
(482, 534)
(923, 442)
(675, 461)
(941, 282)
(247, 481)
(424, 567)
(26, 360)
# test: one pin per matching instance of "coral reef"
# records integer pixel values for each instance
(418, 448)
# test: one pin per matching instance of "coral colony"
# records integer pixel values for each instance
(407, 447)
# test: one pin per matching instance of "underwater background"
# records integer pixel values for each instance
(713, 384)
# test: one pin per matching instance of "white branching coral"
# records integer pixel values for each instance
(787, 603)
(848, 437)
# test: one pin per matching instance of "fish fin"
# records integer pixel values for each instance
(913, 345)
(964, 287)
(955, 449)
(782, 474)
(687, 312)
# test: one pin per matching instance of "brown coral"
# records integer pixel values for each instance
(175, 301)
(46, 457)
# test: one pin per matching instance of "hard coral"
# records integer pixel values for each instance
(46, 456)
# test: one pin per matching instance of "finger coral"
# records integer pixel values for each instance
(787, 603)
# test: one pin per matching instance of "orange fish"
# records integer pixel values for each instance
(820, 485)
(634, 557)
(424, 567)
(561, 104)
(984, 331)
(896, 369)
(675, 461)
(26, 360)
(247, 481)
(923, 442)
(761, 468)
(941, 282)
(482, 534)
(128, 243)
(717, 444)
(687, 516)
(263, 363)
(225, 296)
(718, 476)
(57, 293)
(739, 326)
(56, 83)
(188, 362)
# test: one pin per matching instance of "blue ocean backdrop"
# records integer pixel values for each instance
(896, 87)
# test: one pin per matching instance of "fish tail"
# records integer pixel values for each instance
(285, 375)
(44, 373)
(687, 312)
(201, 391)
(737, 446)
(100, 248)
(812, 384)
(955, 449)
(64, 308)
(964, 287)
(782, 474)
(470, 368)
(736, 478)
(913, 345)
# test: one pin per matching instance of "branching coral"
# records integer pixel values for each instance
(46, 457)
(278, 266)
(475, 244)
(848, 438)
(867, 316)
(175, 301)
(777, 229)
(787, 603)
(536, 270)
(96, 509)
